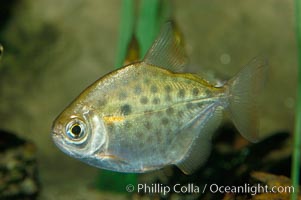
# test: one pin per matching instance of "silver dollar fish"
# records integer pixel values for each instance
(146, 115)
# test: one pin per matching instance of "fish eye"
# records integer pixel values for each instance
(76, 130)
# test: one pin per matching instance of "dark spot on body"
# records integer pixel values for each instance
(147, 125)
(122, 95)
(164, 121)
(168, 132)
(141, 146)
(200, 104)
(110, 127)
(159, 136)
(143, 100)
(167, 143)
(169, 111)
(149, 137)
(127, 125)
(102, 102)
(167, 88)
(148, 111)
(126, 109)
(180, 113)
(156, 100)
(146, 81)
(195, 91)
(140, 135)
(181, 93)
(189, 105)
(158, 113)
(168, 98)
(137, 89)
(154, 89)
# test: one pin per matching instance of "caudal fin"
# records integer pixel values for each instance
(243, 97)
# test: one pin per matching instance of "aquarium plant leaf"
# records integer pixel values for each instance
(126, 30)
(297, 134)
(152, 14)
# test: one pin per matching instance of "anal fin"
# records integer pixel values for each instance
(203, 126)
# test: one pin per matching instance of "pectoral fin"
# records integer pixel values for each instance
(112, 158)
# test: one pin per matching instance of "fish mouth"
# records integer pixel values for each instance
(55, 134)
(56, 137)
(58, 140)
(56, 129)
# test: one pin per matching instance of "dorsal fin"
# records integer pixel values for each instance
(168, 49)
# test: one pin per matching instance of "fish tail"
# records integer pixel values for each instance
(243, 90)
